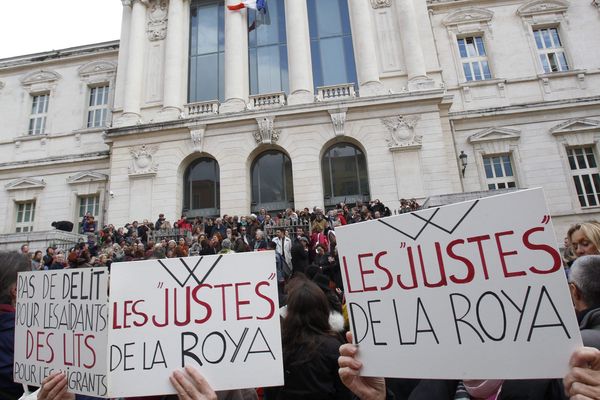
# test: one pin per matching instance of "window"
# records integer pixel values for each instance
(202, 187)
(345, 178)
(88, 204)
(584, 169)
(267, 50)
(499, 172)
(331, 42)
(25, 216)
(474, 58)
(98, 107)
(551, 52)
(272, 184)
(207, 46)
(39, 109)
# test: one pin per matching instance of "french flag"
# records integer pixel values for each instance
(259, 5)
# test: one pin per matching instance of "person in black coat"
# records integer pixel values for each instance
(300, 254)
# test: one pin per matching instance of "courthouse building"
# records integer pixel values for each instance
(205, 111)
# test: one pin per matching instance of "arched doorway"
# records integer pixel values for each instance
(345, 177)
(272, 182)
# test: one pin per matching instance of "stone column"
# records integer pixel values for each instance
(411, 44)
(365, 48)
(174, 57)
(123, 52)
(236, 60)
(298, 49)
(134, 76)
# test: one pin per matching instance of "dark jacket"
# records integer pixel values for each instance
(316, 379)
(8, 389)
(589, 324)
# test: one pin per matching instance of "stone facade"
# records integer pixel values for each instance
(411, 112)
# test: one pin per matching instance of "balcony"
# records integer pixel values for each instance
(202, 108)
(265, 101)
(336, 92)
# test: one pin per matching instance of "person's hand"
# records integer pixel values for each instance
(583, 381)
(365, 388)
(190, 385)
(54, 387)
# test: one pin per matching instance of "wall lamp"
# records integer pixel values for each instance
(463, 161)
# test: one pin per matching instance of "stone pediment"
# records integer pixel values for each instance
(26, 183)
(467, 16)
(86, 177)
(575, 125)
(543, 7)
(495, 134)
(40, 77)
(97, 67)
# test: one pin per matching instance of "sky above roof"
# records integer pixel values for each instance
(35, 26)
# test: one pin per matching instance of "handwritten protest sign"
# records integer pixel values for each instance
(471, 290)
(218, 314)
(61, 324)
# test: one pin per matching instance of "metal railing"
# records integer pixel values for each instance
(169, 234)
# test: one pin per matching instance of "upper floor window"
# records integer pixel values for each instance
(499, 172)
(88, 205)
(474, 58)
(98, 107)
(586, 178)
(550, 50)
(267, 50)
(331, 42)
(25, 216)
(39, 110)
(207, 46)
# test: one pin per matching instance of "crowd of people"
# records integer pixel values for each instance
(319, 360)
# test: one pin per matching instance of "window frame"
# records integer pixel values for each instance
(29, 224)
(585, 172)
(36, 115)
(504, 179)
(104, 108)
(474, 59)
(553, 50)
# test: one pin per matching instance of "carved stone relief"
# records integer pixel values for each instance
(197, 137)
(338, 119)
(266, 133)
(381, 3)
(402, 132)
(157, 25)
(142, 160)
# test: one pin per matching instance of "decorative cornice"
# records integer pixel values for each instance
(97, 68)
(495, 134)
(537, 7)
(86, 177)
(402, 132)
(266, 133)
(381, 3)
(39, 77)
(26, 183)
(468, 16)
(576, 125)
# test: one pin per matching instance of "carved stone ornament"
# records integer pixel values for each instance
(197, 137)
(402, 132)
(142, 161)
(381, 3)
(338, 119)
(266, 133)
(157, 26)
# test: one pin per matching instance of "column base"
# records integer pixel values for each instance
(372, 88)
(232, 105)
(128, 119)
(301, 97)
(168, 114)
(421, 83)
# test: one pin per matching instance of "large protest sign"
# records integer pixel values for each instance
(471, 290)
(218, 314)
(61, 325)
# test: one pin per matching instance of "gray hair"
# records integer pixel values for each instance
(11, 263)
(585, 275)
(226, 244)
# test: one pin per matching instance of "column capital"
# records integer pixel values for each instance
(126, 3)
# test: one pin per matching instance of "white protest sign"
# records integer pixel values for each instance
(218, 314)
(470, 290)
(61, 325)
